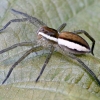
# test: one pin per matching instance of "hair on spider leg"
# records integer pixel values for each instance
(65, 41)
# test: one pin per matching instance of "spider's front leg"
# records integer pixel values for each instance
(16, 45)
(38, 23)
(46, 62)
(12, 21)
(29, 18)
(34, 49)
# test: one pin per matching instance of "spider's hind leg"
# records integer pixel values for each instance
(90, 37)
(86, 68)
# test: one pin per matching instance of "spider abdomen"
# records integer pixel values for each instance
(73, 42)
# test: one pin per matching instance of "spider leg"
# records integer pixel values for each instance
(20, 59)
(85, 67)
(32, 20)
(91, 38)
(61, 27)
(16, 45)
(13, 20)
(46, 62)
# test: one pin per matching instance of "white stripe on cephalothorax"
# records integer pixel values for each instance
(72, 45)
(48, 37)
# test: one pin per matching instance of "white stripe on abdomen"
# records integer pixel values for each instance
(72, 45)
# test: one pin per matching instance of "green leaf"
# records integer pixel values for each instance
(63, 78)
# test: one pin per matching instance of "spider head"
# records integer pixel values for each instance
(48, 33)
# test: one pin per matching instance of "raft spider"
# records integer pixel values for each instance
(67, 43)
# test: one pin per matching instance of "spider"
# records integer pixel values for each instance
(67, 43)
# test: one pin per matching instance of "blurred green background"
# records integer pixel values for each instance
(63, 78)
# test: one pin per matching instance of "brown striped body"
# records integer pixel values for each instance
(68, 41)
(73, 43)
